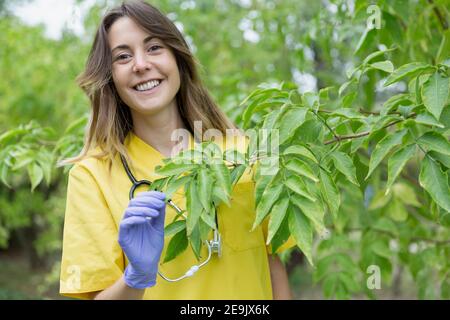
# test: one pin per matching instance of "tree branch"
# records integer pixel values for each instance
(366, 133)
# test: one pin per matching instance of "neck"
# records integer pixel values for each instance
(156, 129)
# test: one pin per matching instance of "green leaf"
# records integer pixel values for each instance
(366, 39)
(330, 192)
(345, 165)
(300, 151)
(261, 183)
(223, 177)
(218, 196)
(212, 152)
(172, 169)
(295, 184)
(174, 227)
(276, 217)
(435, 94)
(397, 210)
(397, 161)
(269, 197)
(174, 185)
(281, 236)
(314, 212)
(237, 173)
(385, 66)
(36, 175)
(379, 200)
(331, 285)
(293, 119)
(386, 224)
(8, 136)
(349, 281)
(190, 156)
(204, 188)
(435, 142)
(23, 161)
(375, 54)
(209, 219)
(410, 69)
(234, 156)
(246, 116)
(193, 205)
(310, 131)
(204, 226)
(301, 231)
(381, 248)
(382, 149)
(159, 184)
(301, 168)
(427, 119)
(4, 174)
(441, 158)
(196, 241)
(347, 101)
(348, 113)
(394, 101)
(176, 246)
(345, 85)
(435, 182)
(310, 100)
(405, 193)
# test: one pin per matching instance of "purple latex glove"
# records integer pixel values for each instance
(141, 236)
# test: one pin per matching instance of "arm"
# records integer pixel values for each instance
(141, 236)
(119, 291)
(279, 278)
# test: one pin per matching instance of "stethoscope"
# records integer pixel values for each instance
(214, 245)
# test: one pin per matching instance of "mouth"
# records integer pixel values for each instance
(148, 86)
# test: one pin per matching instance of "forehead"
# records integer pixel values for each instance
(126, 31)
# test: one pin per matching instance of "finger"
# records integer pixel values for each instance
(156, 194)
(158, 222)
(141, 212)
(148, 202)
(130, 222)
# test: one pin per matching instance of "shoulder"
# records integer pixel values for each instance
(90, 165)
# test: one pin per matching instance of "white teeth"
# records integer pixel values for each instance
(148, 85)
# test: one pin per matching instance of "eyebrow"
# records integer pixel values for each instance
(124, 46)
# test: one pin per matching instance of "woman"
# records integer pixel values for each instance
(143, 85)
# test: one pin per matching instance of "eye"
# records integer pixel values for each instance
(154, 47)
(122, 56)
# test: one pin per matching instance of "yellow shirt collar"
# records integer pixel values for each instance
(144, 154)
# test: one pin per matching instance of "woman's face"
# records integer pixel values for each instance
(144, 69)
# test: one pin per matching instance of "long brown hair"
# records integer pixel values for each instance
(110, 120)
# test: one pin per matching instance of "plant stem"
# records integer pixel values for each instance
(366, 133)
(438, 14)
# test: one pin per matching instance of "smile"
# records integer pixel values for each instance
(149, 86)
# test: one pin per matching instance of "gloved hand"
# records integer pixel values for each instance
(141, 236)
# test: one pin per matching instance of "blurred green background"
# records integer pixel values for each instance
(239, 45)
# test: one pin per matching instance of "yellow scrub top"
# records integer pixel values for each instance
(93, 260)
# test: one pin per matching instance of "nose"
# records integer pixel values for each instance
(141, 63)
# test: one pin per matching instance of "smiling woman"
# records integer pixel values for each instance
(144, 70)
(136, 43)
(143, 85)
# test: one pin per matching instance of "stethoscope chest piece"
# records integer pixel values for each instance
(216, 244)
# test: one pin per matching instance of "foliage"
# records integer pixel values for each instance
(363, 147)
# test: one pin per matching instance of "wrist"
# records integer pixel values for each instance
(137, 280)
